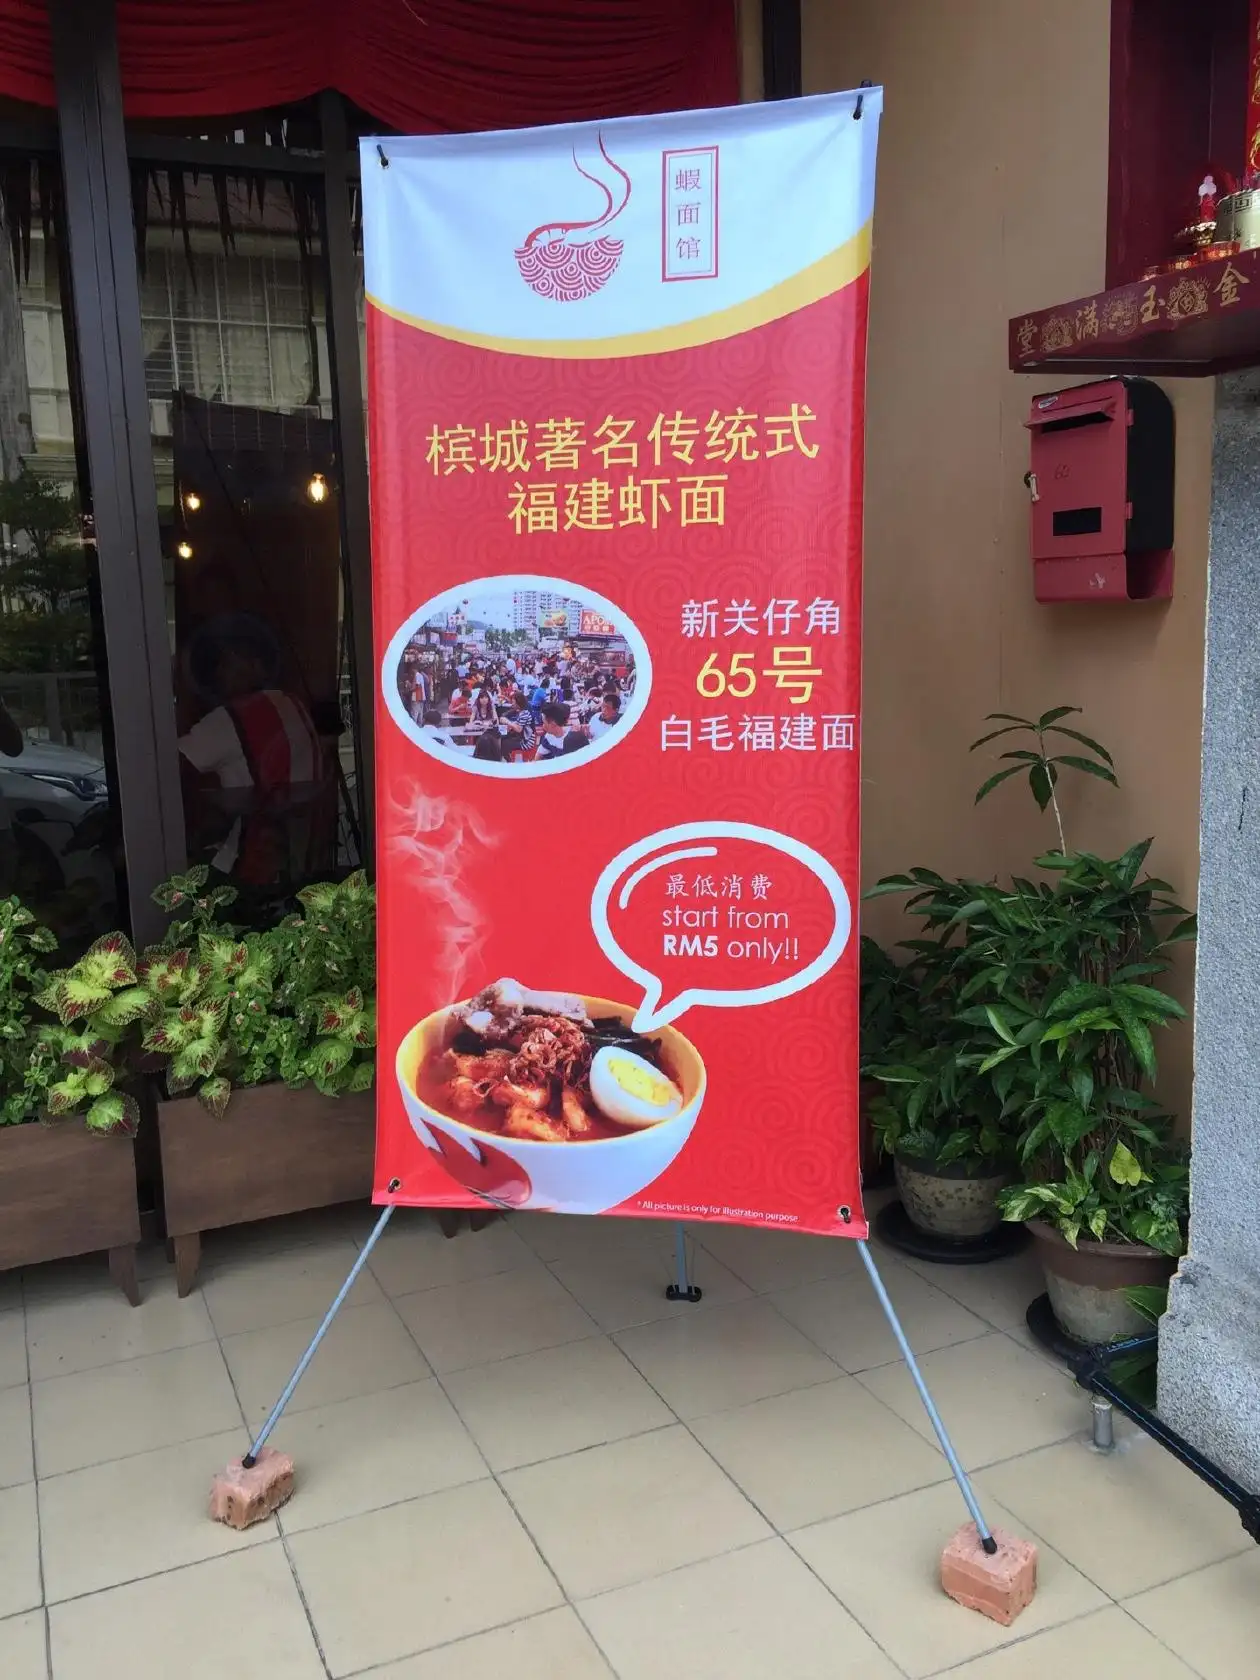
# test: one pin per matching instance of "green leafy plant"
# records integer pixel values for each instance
(1135, 1371)
(28, 1063)
(292, 1003)
(210, 1008)
(1038, 763)
(934, 1106)
(97, 1002)
(887, 1000)
(1054, 985)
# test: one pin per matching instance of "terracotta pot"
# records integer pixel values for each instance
(1087, 1284)
(949, 1201)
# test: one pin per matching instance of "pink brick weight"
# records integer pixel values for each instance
(241, 1497)
(998, 1585)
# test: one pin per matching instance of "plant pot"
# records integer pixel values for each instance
(948, 1201)
(1087, 1284)
(66, 1191)
(274, 1152)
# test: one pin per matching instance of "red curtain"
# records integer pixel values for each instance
(420, 66)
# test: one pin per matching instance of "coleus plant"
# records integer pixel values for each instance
(97, 1002)
(293, 1003)
(210, 1008)
(28, 1065)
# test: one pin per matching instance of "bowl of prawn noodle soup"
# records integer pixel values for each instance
(590, 1175)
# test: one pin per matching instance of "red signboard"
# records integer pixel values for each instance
(617, 885)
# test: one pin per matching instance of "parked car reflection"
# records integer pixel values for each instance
(57, 835)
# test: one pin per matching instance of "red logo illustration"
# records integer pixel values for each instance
(569, 261)
(489, 1173)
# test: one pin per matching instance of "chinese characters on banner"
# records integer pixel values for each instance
(616, 395)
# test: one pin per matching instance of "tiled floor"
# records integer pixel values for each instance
(516, 1458)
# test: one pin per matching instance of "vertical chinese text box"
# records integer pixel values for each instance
(689, 214)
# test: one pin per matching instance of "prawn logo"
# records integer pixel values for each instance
(570, 261)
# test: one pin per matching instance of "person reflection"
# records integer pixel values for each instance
(258, 758)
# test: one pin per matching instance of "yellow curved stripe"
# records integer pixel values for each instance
(839, 268)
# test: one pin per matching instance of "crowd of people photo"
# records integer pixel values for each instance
(520, 705)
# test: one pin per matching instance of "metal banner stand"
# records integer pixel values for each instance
(277, 1411)
(682, 1289)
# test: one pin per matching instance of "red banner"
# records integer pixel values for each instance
(621, 455)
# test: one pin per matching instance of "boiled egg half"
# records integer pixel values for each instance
(629, 1090)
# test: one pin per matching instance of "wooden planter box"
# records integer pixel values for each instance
(64, 1191)
(275, 1151)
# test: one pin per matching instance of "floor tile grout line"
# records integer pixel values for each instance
(1186, 1575)
(1124, 1610)
(882, 1365)
(1019, 1639)
(134, 1359)
(858, 1622)
(155, 1446)
(493, 1475)
(306, 1609)
(131, 1359)
(388, 1505)
(320, 1405)
(497, 1478)
(127, 1458)
(573, 1452)
(467, 1638)
(39, 1527)
(610, 1336)
(259, 1545)
(775, 1532)
(740, 1492)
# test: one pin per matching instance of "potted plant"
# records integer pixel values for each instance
(65, 1188)
(1071, 1013)
(884, 998)
(263, 1045)
(936, 1114)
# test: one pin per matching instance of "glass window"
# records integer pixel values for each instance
(60, 838)
(241, 405)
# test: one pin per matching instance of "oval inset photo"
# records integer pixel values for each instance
(517, 676)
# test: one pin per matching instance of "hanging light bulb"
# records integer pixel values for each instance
(317, 488)
(184, 549)
(192, 501)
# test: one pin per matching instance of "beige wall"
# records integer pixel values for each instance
(992, 201)
(748, 18)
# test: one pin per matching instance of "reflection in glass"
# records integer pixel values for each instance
(236, 361)
(60, 840)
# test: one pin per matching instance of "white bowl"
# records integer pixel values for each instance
(552, 1177)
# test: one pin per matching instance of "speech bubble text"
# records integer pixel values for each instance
(730, 915)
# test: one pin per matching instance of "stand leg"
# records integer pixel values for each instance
(682, 1288)
(934, 1417)
(1104, 1423)
(278, 1409)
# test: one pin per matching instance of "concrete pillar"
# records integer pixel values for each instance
(1209, 1346)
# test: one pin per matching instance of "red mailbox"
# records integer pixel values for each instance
(1101, 484)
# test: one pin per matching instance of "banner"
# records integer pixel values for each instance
(615, 385)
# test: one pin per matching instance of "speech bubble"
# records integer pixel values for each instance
(721, 913)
